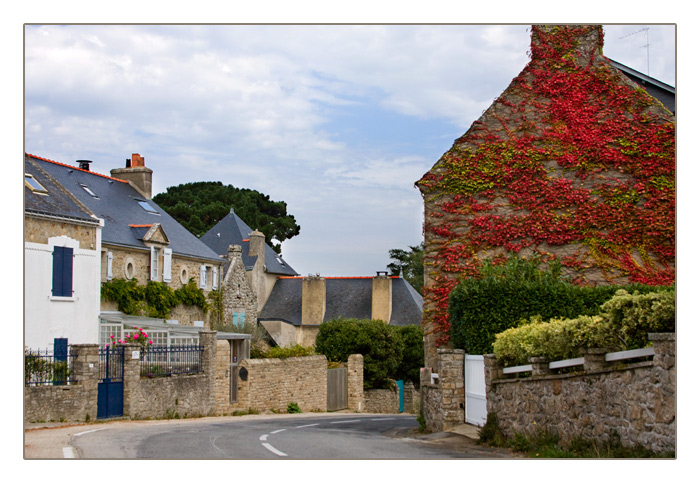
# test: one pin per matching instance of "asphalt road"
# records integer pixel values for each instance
(280, 437)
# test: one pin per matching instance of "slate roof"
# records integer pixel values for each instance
(349, 297)
(117, 203)
(232, 230)
(665, 93)
(56, 201)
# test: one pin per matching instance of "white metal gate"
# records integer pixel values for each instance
(474, 390)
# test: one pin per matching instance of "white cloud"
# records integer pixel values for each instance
(316, 116)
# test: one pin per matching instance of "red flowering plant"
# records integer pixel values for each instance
(139, 337)
(572, 163)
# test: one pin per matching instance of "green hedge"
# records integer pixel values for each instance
(480, 308)
(624, 323)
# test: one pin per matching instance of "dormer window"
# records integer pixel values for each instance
(36, 187)
(146, 206)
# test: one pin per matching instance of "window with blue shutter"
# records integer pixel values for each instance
(62, 285)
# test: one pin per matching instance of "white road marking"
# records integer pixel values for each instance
(273, 449)
(383, 419)
(307, 426)
(278, 431)
(68, 452)
(90, 431)
(348, 421)
(264, 437)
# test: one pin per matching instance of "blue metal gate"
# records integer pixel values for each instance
(110, 389)
(400, 386)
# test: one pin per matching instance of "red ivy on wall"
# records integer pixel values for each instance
(577, 159)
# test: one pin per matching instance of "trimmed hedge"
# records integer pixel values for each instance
(623, 324)
(504, 295)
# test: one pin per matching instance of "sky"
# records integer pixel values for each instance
(338, 121)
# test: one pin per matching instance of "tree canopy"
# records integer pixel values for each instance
(201, 205)
(409, 263)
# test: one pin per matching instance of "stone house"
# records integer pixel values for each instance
(251, 269)
(260, 286)
(62, 243)
(298, 306)
(574, 163)
(138, 241)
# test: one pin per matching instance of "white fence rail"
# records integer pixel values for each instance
(609, 357)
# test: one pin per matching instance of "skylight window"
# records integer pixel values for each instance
(146, 206)
(88, 191)
(34, 185)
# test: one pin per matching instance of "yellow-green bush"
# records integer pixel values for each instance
(624, 323)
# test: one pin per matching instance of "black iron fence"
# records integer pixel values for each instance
(159, 361)
(43, 367)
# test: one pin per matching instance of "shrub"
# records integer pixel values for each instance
(623, 324)
(413, 358)
(505, 295)
(380, 345)
(295, 350)
(293, 408)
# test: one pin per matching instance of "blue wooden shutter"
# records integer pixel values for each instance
(62, 285)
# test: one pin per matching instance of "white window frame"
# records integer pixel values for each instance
(202, 276)
(214, 278)
(154, 264)
(110, 261)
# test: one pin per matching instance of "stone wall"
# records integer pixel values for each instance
(356, 379)
(178, 395)
(442, 400)
(636, 401)
(144, 398)
(75, 402)
(384, 401)
(388, 401)
(271, 384)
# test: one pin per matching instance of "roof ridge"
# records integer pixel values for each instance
(73, 167)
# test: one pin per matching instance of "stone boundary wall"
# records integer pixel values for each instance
(144, 398)
(178, 395)
(637, 401)
(271, 384)
(383, 401)
(442, 401)
(387, 401)
(75, 402)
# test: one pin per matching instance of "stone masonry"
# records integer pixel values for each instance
(443, 400)
(636, 401)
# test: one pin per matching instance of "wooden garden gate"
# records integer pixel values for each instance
(337, 389)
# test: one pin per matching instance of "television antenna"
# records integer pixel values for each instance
(644, 30)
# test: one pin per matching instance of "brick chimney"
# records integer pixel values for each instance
(381, 297)
(137, 174)
(313, 300)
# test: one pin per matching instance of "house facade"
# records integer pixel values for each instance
(574, 163)
(62, 244)
(138, 241)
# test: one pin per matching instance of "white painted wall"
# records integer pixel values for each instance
(46, 317)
